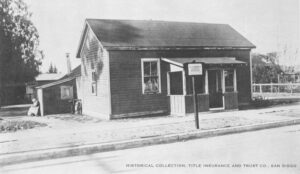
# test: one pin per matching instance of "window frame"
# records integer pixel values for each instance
(63, 96)
(94, 82)
(157, 60)
(234, 83)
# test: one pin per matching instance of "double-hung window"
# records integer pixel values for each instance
(230, 81)
(151, 76)
(94, 80)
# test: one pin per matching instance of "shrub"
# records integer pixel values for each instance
(14, 125)
(260, 102)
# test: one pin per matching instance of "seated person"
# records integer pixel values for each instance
(34, 109)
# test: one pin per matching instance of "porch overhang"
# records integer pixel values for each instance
(210, 61)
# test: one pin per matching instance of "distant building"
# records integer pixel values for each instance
(40, 80)
(57, 97)
(133, 68)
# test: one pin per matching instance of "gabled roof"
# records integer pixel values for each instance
(149, 33)
(48, 77)
(55, 82)
(76, 72)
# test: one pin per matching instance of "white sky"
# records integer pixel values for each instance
(271, 25)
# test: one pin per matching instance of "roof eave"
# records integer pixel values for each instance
(83, 32)
(55, 83)
(111, 48)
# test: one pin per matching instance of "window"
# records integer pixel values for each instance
(151, 76)
(94, 88)
(93, 76)
(229, 80)
(66, 92)
(94, 83)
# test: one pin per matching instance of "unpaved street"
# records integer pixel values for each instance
(266, 151)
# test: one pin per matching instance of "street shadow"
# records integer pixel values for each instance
(102, 162)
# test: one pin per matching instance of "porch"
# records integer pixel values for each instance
(216, 88)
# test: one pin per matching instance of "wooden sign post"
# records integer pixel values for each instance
(194, 69)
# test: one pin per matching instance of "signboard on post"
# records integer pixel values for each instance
(194, 69)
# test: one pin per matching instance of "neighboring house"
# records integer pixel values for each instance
(57, 97)
(40, 80)
(133, 68)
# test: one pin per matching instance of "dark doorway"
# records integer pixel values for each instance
(215, 89)
(176, 87)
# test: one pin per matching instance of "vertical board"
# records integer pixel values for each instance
(177, 104)
(231, 100)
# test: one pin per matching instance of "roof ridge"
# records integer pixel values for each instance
(135, 33)
(150, 20)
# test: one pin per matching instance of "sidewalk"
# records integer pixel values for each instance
(70, 131)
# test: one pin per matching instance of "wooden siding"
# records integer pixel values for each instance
(183, 104)
(231, 100)
(52, 102)
(126, 80)
(177, 104)
(203, 103)
(93, 54)
(79, 87)
(126, 85)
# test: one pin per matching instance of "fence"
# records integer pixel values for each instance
(283, 88)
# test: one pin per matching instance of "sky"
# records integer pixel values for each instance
(272, 25)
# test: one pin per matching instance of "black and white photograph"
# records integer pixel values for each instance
(149, 86)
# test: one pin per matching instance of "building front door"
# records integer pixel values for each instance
(215, 89)
(177, 98)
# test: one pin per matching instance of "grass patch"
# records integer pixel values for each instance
(15, 125)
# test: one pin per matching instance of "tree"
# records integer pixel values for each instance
(52, 68)
(265, 68)
(19, 55)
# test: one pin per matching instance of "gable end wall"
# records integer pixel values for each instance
(93, 54)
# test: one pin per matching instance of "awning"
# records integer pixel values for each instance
(208, 61)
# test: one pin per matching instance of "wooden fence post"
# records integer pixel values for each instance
(260, 88)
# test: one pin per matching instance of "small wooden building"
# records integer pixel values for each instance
(133, 68)
(39, 80)
(57, 97)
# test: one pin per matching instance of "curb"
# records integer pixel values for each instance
(15, 158)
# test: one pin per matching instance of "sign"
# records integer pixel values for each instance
(195, 69)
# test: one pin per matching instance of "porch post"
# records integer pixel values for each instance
(206, 82)
(41, 100)
(184, 82)
(168, 82)
(223, 87)
(234, 80)
(223, 80)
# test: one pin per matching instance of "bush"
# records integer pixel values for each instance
(14, 125)
(260, 102)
